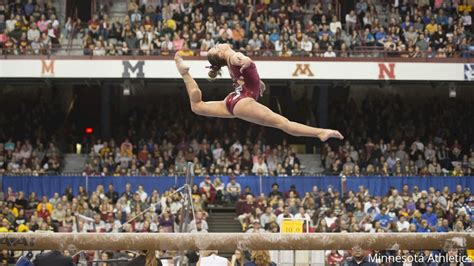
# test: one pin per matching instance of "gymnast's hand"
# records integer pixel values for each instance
(329, 133)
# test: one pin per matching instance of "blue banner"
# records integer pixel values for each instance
(377, 185)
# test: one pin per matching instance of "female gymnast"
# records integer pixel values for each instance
(242, 102)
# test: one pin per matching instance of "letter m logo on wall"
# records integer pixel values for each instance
(128, 69)
(387, 71)
(303, 69)
(47, 67)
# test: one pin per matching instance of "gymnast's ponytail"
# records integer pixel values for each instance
(216, 64)
(214, 71)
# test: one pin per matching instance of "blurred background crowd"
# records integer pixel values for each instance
(264, 28)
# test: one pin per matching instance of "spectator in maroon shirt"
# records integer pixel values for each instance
(143, 155)
(43, 213)
(247, 208)
(94, 26)
(207, 190)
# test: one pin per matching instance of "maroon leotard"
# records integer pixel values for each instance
(250, 88)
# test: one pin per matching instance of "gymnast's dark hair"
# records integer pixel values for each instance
(216, 64)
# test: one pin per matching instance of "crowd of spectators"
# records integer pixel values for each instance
(28, 27)
(285, 28)
(191, 140)
(28, 144)
(408, 210)
(22, 158)
(298, 28)
(102, 210)
(266, 28)
(379, 140)
(423, 140)
(389, 136)
(107, 210)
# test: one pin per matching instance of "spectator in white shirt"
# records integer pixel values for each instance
(303, 215)
(136, 16)
(331, 220)
(217, 151)
(256, 227)
(466, 19)
(10, 23)
(53, 21)
(335, 23)
(233, 189)
(210, 257)
(430, 153)
(99, 50)
(96, 226)
(402, 224)
(33, 33)
(142, 193)
(260, 167)
(167, 43)
(351, 21)
(198, 229)
(329, 52)
(267, 217)
(25, 152)
(371, 207)
(255, 43)
(236, 147)
(98, 146)
(279, 45)
(199, 219)
(285, 214)
(116, 225)
(419, 145)
(306, 44)
(272, 161)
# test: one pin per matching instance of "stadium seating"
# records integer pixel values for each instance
(271, 28)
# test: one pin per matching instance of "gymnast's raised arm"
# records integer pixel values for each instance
(239, 59)
(248, 70)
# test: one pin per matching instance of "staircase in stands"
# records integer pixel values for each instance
(223, 220)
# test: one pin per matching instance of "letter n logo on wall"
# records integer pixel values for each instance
(128, 69)
(47, 68)
(303, 69)
(387, 71)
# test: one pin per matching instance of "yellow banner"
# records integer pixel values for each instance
(291, 226)
(470, 254)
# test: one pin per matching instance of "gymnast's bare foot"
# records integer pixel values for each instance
(329, 133)
(183, 69)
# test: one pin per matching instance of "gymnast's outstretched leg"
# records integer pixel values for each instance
(212, 108)
(250, 110)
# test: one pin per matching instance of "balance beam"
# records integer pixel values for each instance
(232, 241)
